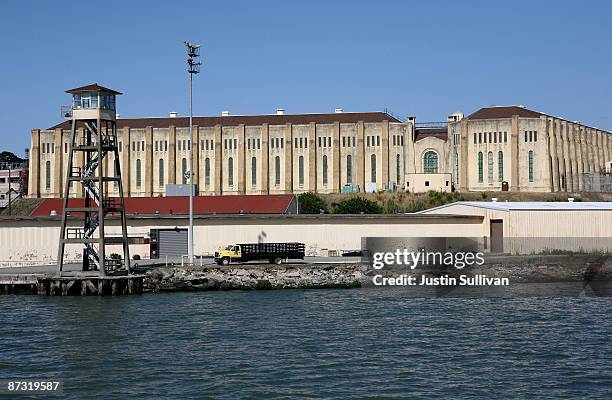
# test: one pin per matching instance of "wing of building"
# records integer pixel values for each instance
(495, 148)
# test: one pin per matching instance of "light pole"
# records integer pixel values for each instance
(193, 51)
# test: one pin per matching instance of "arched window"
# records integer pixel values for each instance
(490, 166)
(325, 170)
(277, 171)
(301, 170)
(430, 162)
(184, 170)
(230, 171)
(397, 169)
(373, 168)
(480, 171)
(207, 172)
(47, 175)
(254, 171)
(530, 165)
(349, 169)
(138, 173)
(456, 167)
(500, 166)
(161, 172)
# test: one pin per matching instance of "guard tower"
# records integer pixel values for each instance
(93, 139)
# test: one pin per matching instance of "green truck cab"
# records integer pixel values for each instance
(275, 253)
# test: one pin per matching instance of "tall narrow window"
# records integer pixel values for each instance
(373, 168)
(48, 175)
(301, 170)
(277, 171)
(253, 171)
(530, 165)
(230, 171)
(397, 169)
(500, 166)
(138, 173)
(480, 171)
(207, 172)
(475, 138)
(184, 170)
(490, 166)
(430, 162)
(349, 169)
(161, 172)
(324, 170)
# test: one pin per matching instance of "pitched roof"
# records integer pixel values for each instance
(504, 112)
(179, 205)
(94, 87)
(532, 205)
(234, 120)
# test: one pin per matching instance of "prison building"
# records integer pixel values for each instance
(518, 149)
(260, 154)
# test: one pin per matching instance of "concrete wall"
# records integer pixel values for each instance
(36, 240)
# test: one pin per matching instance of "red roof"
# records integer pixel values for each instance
(235, 120)
(179, 205)
(504, 112)
(94, 87)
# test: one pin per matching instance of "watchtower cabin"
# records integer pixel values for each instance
(93, 138)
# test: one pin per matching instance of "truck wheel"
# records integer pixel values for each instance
(278, 261)
(225, 261)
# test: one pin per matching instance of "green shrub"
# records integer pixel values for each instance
(311, 203)
(357, 205)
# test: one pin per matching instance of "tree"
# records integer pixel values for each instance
(357, 205)
(8, 157)
(311, 203)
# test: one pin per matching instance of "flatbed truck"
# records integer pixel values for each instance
(275, 253)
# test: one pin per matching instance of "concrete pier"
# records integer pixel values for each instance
(87, 285)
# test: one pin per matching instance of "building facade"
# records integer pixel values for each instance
(495, 148)
(526, 150)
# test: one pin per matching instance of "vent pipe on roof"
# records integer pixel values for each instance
(53, 213)
(173, 114)
(225, 113)
(338, 111)
(280, 111)
(117, 115)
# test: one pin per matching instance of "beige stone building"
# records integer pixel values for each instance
(529, 150)
(495, 148)
(263, 154)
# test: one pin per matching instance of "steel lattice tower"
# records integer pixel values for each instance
(93, 139)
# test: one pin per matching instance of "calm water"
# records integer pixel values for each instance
(362, 343)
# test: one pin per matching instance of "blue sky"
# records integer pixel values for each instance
(427, 58)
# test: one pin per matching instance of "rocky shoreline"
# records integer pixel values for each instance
(518, 269)
(249, 277)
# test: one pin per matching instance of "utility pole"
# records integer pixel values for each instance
(193, 51)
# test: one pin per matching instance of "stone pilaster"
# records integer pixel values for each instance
(171, 155)
(288, 150)
(218, 186)
(312, 157)
(385, 154)
(126, 148)
(241, 161)
(360, 155)
(265, 158)
(34, 165)
(148, 162)
(337, 181)
(58, 190)
(552, 144)
(463, 156)
(514, 154)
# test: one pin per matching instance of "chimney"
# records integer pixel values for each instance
(338, 111)
(280, 111)
(225, 113)
(173, 114)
